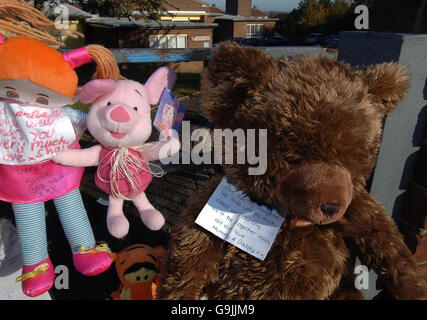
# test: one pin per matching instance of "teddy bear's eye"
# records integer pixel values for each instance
(135, 108)
(108, 103)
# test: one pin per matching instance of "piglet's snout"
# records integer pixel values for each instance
(120, 114)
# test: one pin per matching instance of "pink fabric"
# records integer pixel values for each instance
(38, 285)
(93, 263)
(77, 57)
(125, 188)
(38, 182)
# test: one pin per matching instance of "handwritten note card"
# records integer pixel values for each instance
(231, 215)
(30, 134)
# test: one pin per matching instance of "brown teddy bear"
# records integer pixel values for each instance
(324, 122)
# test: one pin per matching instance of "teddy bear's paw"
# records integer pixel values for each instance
(118, 226)
(152, 219)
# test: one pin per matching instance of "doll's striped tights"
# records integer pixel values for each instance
(31, 226)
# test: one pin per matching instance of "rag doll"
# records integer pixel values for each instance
(120, 119)
(36, 81)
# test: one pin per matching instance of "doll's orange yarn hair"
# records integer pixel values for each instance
(106, 64)
(29, 56)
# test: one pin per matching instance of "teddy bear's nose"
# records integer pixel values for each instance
(120, 114)
(330, 208)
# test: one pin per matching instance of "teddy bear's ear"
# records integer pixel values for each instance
(233, 73)
(245, 67)
(387, 83)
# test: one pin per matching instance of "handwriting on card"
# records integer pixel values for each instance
(231, 215)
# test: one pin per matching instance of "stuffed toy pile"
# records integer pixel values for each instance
(37, 82)
(40, 157)
(324, 122)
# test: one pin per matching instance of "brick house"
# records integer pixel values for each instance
(187, 24)
(256, 13)
(240, 20)
(185, 10)
(183, 26)
(122, 33)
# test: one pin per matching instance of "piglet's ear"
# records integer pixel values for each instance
(95, 89)
(162, 78)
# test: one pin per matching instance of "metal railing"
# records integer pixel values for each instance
(204, 54)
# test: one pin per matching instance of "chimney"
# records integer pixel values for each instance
(238, 7)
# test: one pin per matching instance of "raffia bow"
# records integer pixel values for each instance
(122, 161)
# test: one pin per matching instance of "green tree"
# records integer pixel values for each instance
(367, 3)
(150, 9)
(326, 3)
(313, 13)
(328, 16)
(338, 15)
(124, 8)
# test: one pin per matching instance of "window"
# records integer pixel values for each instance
(168, 41)
(255, 31)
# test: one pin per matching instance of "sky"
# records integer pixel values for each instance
(264, 5)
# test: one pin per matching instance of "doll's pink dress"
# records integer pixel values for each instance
(141, 176)
(38, 182)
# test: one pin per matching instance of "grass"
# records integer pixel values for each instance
(186, 84)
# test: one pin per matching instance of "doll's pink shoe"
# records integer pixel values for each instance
(92, 262)
(38, 278)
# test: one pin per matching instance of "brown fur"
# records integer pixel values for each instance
(316, 111)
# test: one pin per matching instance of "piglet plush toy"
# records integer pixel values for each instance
(120, 120)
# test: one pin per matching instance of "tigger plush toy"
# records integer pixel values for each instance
(139, 268)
